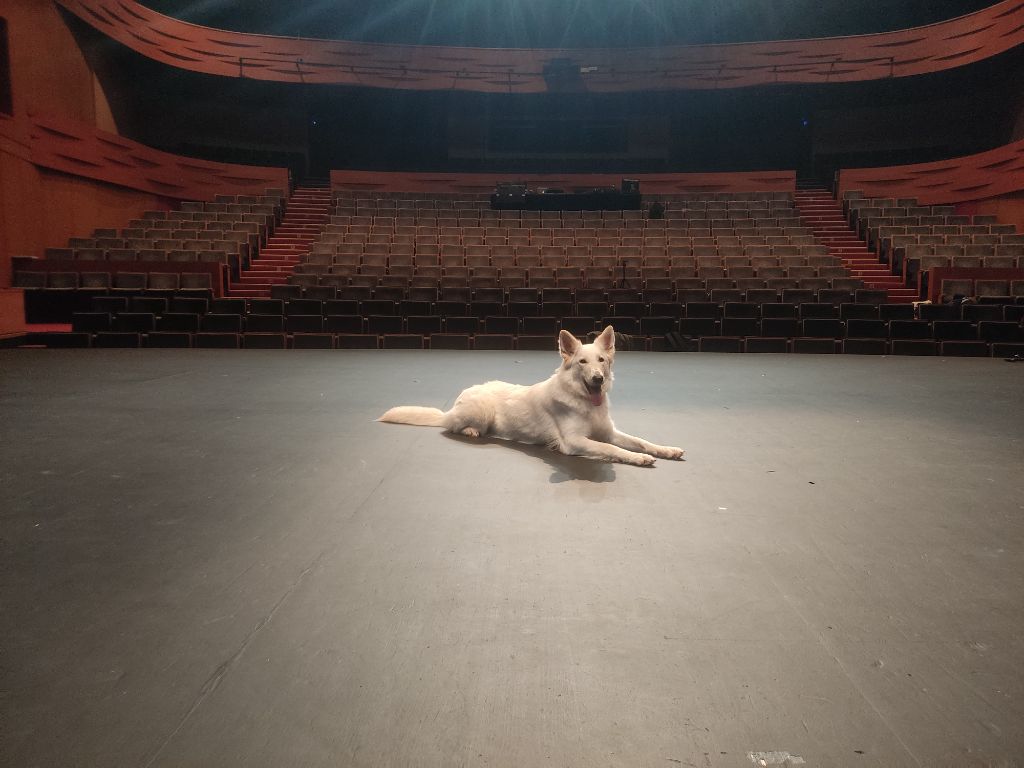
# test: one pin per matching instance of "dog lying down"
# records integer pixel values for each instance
(567, 412)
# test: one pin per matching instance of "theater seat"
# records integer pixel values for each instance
(493, 341)
(313, 341)
(402, 341)
(264, 341)
(357, 341)
(116, 340)
(168, 340)
(216, 340)
(535, 343)
(865, 347)
(449, 341)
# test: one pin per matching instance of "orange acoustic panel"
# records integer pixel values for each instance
(915, 51)
(974, 177)
(12, 312)
(81, 150)
(650, 183)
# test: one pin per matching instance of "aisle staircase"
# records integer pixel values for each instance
(306, 214)
(824, 215)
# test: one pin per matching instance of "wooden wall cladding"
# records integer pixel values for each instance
(973, 177)
(81, 150)
(477, 183)
(915, 51)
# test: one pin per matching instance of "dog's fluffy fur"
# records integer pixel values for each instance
(567, 412)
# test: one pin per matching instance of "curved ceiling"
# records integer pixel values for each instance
(564, 23)
(903, 53)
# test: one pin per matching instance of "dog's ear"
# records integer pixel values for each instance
(607, 339)
(567, 345)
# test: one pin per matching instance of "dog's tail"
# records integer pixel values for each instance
(414, 414)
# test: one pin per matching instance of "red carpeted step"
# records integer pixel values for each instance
(824, 215)
(306, 214)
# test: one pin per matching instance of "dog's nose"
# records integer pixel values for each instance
(598, 379)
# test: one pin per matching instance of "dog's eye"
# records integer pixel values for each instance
(600, 359)
(583, 362)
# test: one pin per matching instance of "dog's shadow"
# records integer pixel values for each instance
(564, 467)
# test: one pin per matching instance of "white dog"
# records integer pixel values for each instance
(568, 412)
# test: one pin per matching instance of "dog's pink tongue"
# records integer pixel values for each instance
(596, 398)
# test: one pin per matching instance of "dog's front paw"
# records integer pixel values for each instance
(641, 460)
(669, 452)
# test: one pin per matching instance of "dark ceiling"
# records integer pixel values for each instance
(564, 23)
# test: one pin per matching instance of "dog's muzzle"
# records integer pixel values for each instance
(594, 390)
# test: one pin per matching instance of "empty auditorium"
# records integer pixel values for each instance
(310, 317)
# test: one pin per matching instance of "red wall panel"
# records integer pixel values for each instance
(974, 177)
(915, 51)
(78, 149)
(49, 72)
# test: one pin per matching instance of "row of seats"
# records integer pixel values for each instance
(271, 201)
(168, 239)
(239, 245)
(775, 217)
(752, 227)
(516, 313)
(698, 324)
(555, 303)
(854, 199)
(741, 277)
(540, 266)
(270, 194)
(963, 242)
(548, 276)
(216, 252)
(1013, 248)
(523, 305)
(183, 220)
(912, 260)
(885, 246)
(52, 297)
(552, 256)
(912, 231)
(172, 238)
(509, 342)
(518, 277)
(871, 228)
(863, 302)
(58, 305)
(198, 211)
(119, 281)
(251, 232)
(901, 246)
(934, 233)
(983, 289)
(693, 291)
(397, 243)
(144, 238)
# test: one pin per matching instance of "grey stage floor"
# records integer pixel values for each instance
(220, 559)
